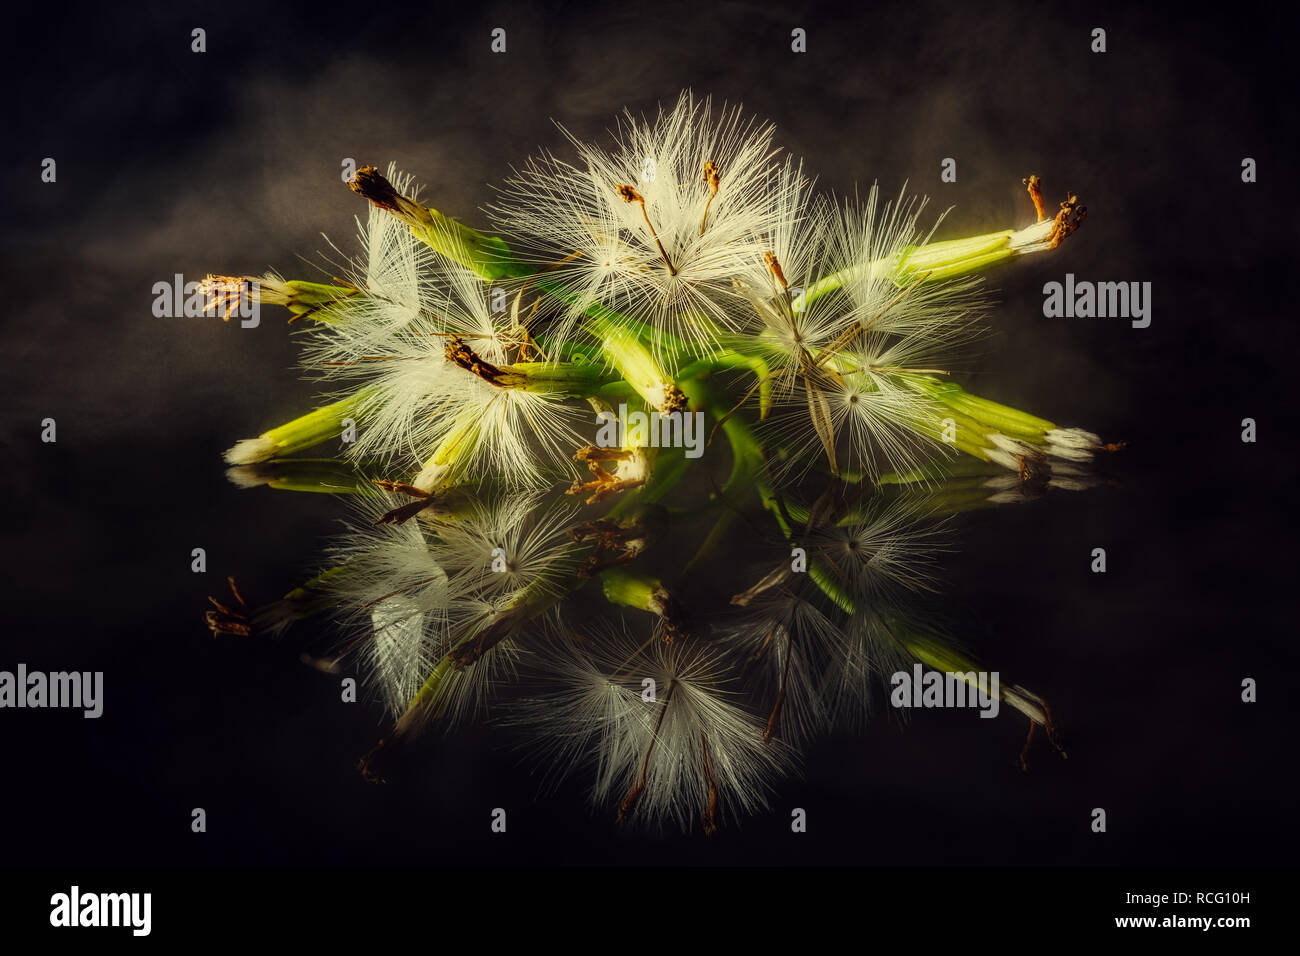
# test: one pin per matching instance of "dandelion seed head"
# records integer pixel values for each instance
(691, 741)
(786, 644)
(882, 551)
(627, 226)
(855, 338)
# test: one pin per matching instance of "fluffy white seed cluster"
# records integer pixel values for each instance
(657, 225)
(691, 225)
(692, 237)
(410, 593)
(391, 339)
(666, 739)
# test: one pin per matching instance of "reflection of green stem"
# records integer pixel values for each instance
(937, 497)
(309, 598)
(432, 698)
(320, 475)
(630, 588)
(746, 465)
(732, 358)
(944, 657)
(312, 596)
(669, 466)
(425, 698)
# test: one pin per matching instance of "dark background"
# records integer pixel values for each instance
(229, 161)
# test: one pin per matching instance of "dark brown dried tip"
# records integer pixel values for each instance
(629, 803)
(1033, 469)
(676, 622)
(711, 810)
(1052, 737)
(323, 664)
(1029, 740)
(774, 266)
(774, 718)
(401, 487)
(629, 194)
(458, 353)
(674, 400)
(604, 483)
(625, 543)
(378, 765)
(404, 513)
(711, 176)
(225, 294)
(1067, 220)
(711, 179)
(371, 184)
(590, 453)
(423, 499)
(225, 620)
(1036, 194)
(603, 486)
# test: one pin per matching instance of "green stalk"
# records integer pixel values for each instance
(943, 657)
(938, 261)
(453, 454)
(489, 256)
(568, 379)
(304, 299)
(634, 362)
(307, 431)
(1002, 418)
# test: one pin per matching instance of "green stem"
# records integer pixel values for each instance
(937, 261)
